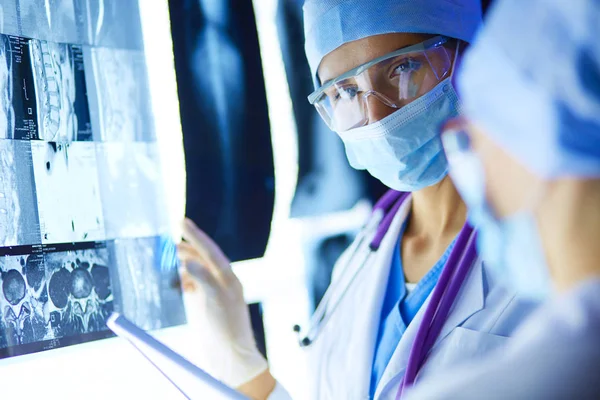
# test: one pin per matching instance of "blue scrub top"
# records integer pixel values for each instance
(399, 309)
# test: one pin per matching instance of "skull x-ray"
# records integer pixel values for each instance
(83, 221)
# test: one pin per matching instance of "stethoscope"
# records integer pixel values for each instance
(459, 263)
(384, 212)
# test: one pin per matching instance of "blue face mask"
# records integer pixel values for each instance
(404, 150)
(510, 247)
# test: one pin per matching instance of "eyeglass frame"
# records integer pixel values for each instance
(433, 42)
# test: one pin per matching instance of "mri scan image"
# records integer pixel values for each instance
(53, 20)
(119, 80)
(44, 92)
(68, 192)
(149, 292)
(53, 296)
(131, 186)
(83, 213)
(9, 21)
(23, 300)
(19, 222)
(63, 111)
(7, 112)
(18, 111)
(79, 289)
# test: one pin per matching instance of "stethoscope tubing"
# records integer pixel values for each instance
(457, 268)
(390, 202)
(444, 294)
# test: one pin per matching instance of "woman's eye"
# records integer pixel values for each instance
(408, 65)
(345, 93)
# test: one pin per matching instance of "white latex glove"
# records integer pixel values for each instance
(226, 339)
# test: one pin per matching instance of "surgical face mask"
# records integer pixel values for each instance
(510, 247)
(404, 150)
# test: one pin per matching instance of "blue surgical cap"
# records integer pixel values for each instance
(532, 81)
(328, 24)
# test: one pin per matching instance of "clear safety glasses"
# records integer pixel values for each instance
(395, 80)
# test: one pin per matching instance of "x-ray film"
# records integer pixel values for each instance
(121, 101)
(83, 217)
(149, 291)
(68, 192)
(23, 298)
(113, 24)
(9, 23)
(18, 119)
(63, 111)
(19, 221)
(53, 296)
(52, 20)
(79, 288)
(130, 183)
(44, 91)
(7, 112)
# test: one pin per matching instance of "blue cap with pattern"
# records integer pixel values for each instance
(532, 81)
(328, 24)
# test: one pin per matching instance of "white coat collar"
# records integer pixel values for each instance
(343, 352)
(469, 301)
(362, 354)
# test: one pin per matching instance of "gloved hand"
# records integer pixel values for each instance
(217, 300)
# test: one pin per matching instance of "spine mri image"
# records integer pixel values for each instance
(62, 292)
(83, 222)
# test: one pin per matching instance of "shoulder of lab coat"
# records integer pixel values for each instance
(279, 393)
(555, 355)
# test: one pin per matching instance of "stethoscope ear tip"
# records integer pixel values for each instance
(297, 328)
(306, 342)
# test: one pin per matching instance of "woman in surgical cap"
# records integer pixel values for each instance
(527, 161)
(383, 74)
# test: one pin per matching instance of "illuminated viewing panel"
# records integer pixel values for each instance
(84, 225)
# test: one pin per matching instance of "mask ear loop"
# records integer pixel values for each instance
(455, 64)
(455, 58)
(402, 84)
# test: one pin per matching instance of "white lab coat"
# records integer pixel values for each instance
(555, 355)
(341, 357)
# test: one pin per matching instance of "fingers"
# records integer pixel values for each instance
(196, 276)
(205, 246)
(189, 254)
(188, 283)
(186, 251)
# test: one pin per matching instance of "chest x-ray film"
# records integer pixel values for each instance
(84, 229)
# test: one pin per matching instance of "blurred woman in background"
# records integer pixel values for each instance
(527, 161)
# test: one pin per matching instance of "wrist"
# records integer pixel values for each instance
(260, 387)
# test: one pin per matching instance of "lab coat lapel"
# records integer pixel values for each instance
(362, 344)
(397, 364)
(470, 299)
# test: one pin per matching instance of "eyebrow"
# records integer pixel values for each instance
(429, 43)
(328, 81)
